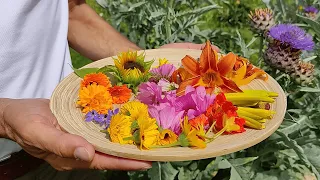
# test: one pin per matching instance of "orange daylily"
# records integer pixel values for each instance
(209, 71)
(244, 72)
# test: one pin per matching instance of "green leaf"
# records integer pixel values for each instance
(183, 140)
(186, 174)
(313, 24)
(162, 171)
(84, 71)
(242, 161)
(309, 89)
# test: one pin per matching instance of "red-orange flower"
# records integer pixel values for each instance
(96, 78)
(120, 94)
(225, 116)
(209, 71)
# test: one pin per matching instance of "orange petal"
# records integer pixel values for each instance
(226, 63)
(191, 81)
(191, 65)
(229, 85)
(208, 59)
(180, 75)
(240, 73)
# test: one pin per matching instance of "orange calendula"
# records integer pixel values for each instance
(96, 78)
(209, 72)
(167, 137)
(95, 97)
(120, 94)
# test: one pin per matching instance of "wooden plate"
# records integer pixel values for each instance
(70, 118)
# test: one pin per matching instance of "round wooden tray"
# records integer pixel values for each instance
(70, 118)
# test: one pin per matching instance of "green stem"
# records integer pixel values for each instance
(210, 129)
(218, 134)
(260, 50)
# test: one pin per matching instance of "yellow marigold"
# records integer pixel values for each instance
(120, 128)
(97, 78)
(134, 109)
(166, 137)
(193, 135)
(148, 132)
(95, 97)
(120, 94)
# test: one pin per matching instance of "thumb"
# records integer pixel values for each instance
(65, 145)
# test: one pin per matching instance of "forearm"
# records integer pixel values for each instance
(92, 36)
(3, 104)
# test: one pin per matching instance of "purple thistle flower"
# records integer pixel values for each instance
(164, 71)
(293, 36)
(150, 93)
(311, 9)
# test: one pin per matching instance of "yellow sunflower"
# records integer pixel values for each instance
(148, 132)
(120, 128)
(95, 97)
(132, 67)
(134, 109)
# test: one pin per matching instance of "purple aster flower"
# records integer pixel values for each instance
(150, 93)
(167, 117)
(164, 71)
(311, 9)
(91, 115)
(293, 36)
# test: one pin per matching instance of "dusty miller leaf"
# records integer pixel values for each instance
(162, 171)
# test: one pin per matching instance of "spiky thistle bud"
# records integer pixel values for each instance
(303, 73)
(261, 20)
(284, 49)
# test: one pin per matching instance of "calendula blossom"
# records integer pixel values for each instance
(166, 137)
(194, 136)
(148, 132)
(95, 97)
(134, 109)
(96, 78)
(120, 94)
(120, 129)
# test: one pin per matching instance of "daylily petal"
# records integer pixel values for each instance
(190, 65)
(180, 75)
(250, 78)
(191, 81)
(208, 59)
(229, 85)
(226, 63)
(241, 72)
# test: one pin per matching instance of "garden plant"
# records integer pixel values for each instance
(279, 36)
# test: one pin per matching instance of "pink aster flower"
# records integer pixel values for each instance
(163, 71)
(194, 102)
(149, 93)
(167, 117)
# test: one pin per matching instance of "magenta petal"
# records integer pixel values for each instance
(149, 93)
(164, 71)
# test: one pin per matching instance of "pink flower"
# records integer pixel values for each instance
(164, 71)
(167, 117)
(149, 93)
(194, 102)
(167, 85)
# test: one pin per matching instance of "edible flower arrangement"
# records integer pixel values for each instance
(168, 106)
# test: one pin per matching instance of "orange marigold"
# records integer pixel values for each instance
(120, 94)
(95, 97)
(96, 78)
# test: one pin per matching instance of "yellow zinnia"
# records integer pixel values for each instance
(95, 97)
(134, 109)
(166, 137)
(148, 132)
(120, 128)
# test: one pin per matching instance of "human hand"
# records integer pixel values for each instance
(188, 46)
(32, 125)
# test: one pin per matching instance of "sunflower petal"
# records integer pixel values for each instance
(226, 63)
(190, 65)
(191, 81)
(230, 86)
(208, 59)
